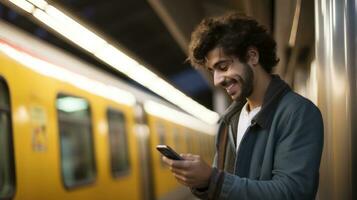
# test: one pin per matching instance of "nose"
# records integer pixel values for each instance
(218, 78)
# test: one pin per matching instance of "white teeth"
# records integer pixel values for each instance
(229, 86)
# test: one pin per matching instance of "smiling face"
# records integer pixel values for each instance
(231, 74)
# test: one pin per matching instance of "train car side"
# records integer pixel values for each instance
(37, 140)
(74, 129)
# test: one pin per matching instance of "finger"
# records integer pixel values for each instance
(167, 160)
(182, 173)
(180, 164)
(164, 159)
(181, 182)
(188, 156)
(183, 179)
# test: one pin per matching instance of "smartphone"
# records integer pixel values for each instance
(168, 152)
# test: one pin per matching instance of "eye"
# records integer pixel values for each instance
(210, 70)
(224, 65)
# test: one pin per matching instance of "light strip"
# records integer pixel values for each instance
(145, 77)
(71, 31)
(24, 5)
(50, 70)
(86, 39)
(295, 24)
(79, 34)
(39, 3)
(180, 118)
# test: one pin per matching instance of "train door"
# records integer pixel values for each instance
(7, 169)
(142, 131)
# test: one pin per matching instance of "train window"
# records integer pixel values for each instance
(77, 153)
(7, 172)
(119, 156)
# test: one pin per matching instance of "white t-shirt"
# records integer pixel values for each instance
(245, 120)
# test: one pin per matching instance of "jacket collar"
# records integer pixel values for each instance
(276, 90)
(235, 107)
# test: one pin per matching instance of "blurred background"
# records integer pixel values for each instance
(140, 47)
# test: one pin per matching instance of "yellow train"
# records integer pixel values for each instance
(70, 131)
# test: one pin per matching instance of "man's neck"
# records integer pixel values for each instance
(260, 87)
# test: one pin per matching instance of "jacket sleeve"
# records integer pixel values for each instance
(295, 168)
(203, 193)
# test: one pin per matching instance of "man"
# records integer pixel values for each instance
(270, 139)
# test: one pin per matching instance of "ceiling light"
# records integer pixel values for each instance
(26, 6)
(86, 39)
(39, 3)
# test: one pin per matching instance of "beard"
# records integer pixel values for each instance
(246, 82)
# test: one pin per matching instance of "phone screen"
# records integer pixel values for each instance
(168, 152)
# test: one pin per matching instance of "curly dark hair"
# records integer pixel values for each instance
(234, 33)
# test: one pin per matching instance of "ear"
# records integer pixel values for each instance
(252, 56)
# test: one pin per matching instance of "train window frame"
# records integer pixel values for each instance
(189, 141)
(91, 144)
(10, 145)
(126, 171)
(176, 138)
(161, 130)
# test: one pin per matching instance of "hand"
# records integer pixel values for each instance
(193, 171)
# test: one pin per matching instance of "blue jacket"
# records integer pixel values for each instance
(280, 153)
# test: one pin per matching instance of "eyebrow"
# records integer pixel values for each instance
(219, 62)
(214, 66)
